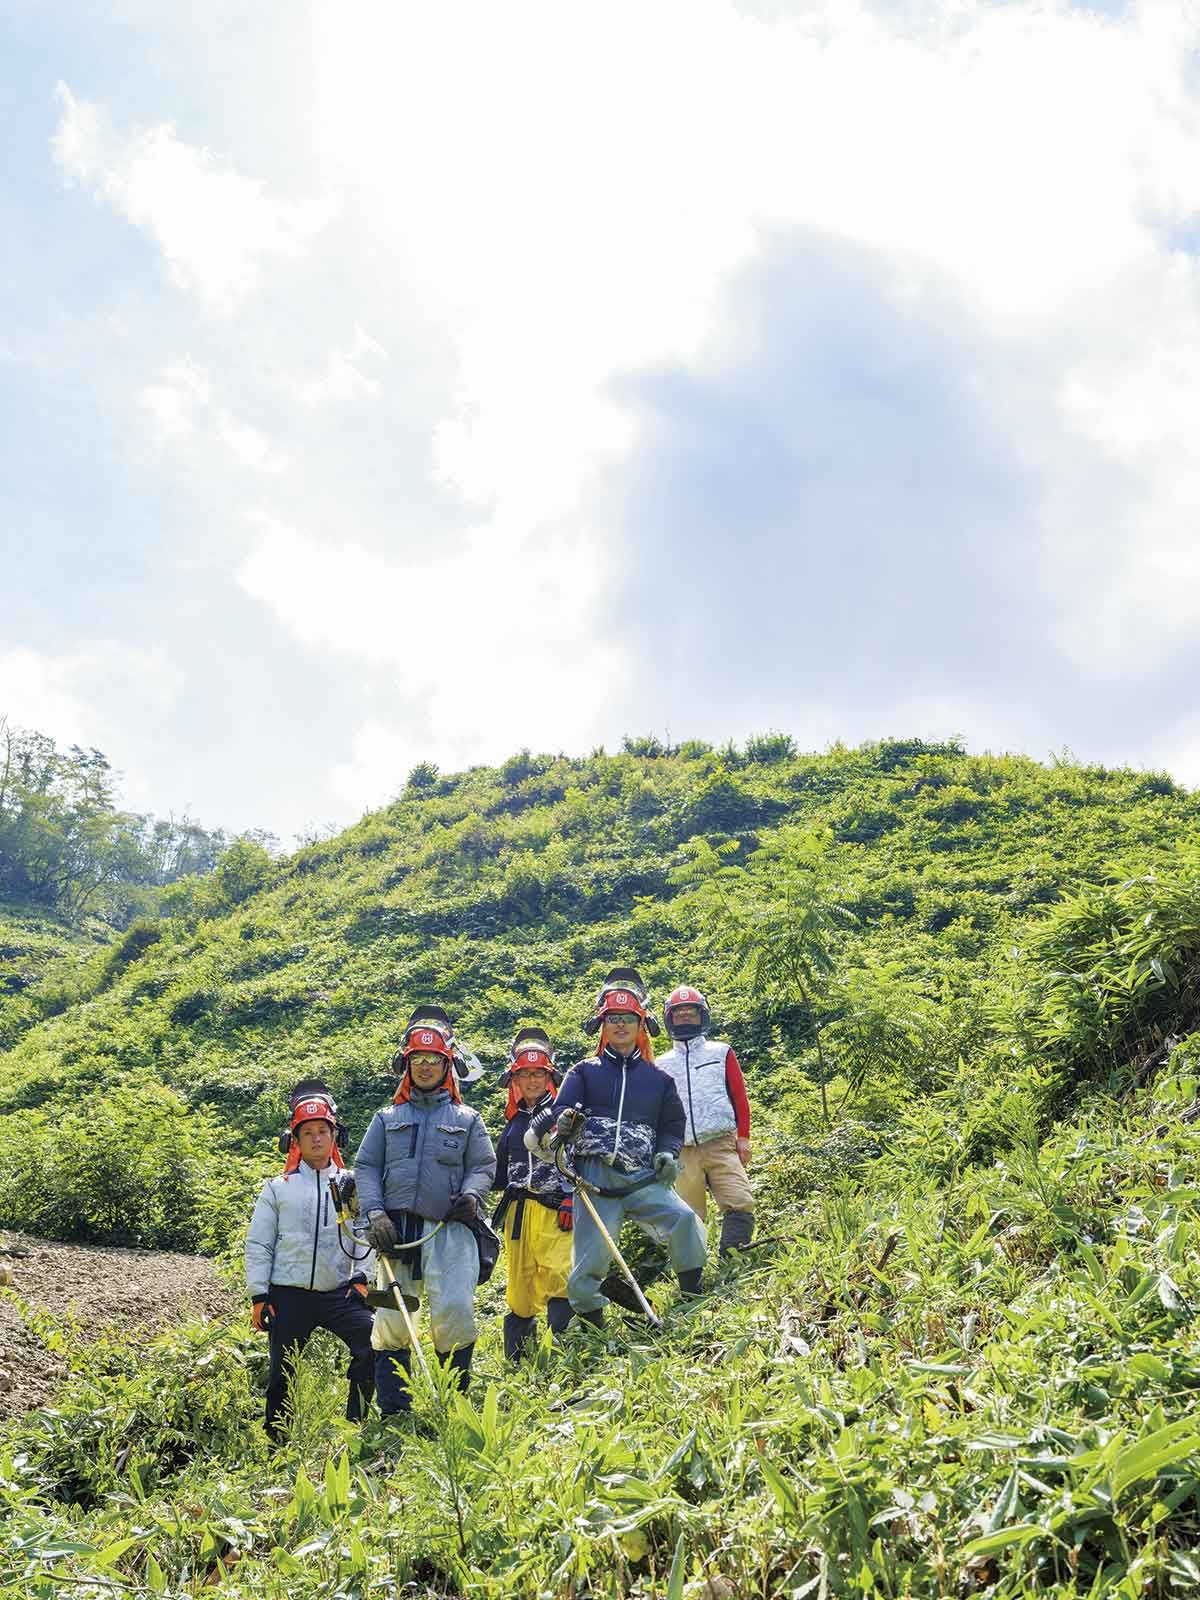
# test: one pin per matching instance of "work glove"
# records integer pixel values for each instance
(463, 1208)
(381, 1232)
(539, 1127)
(566, 1213)
(570, 1121)
(666, 1168)
(359, 1285)
(262, 1314)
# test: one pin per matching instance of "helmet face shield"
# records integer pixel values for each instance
(623, 990)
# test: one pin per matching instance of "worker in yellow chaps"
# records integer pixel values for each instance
(536, 1210)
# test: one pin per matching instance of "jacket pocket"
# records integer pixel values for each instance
(401, 1142)
(449, 1145)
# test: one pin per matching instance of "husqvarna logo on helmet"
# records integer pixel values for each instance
(686, 994)
(621, 998)
(426, 1038)
(314, 1108)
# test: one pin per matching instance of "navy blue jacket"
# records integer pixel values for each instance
(633, 1109)
(518, 1168)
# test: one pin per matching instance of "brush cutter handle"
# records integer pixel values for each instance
(402, 1306)
(647, 1308)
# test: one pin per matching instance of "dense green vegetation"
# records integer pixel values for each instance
(966, 991)
(66, 847)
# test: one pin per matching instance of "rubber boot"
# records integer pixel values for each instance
(689, 1282)
(558, 1314)
(518, 1334)
(737, 1230)
(460, 1362)
(393, 1369)
(596, 1318)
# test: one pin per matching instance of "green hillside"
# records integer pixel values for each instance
(41, 956)
(967, 1363)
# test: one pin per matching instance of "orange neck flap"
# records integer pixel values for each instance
(294, 1158)
(644, 1048)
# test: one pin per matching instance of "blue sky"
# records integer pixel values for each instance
(392, 383)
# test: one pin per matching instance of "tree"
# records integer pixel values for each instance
(782, 923)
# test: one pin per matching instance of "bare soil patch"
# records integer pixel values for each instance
(93, 1290)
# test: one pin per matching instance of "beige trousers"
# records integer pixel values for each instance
(716, 1166)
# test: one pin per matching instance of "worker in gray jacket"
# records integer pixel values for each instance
(423, 1169)
(302, 1271)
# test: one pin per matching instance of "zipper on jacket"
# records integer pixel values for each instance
(312, 1276)
(620, 1106)
(687, 1065)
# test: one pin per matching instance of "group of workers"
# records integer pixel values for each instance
(629, 1135)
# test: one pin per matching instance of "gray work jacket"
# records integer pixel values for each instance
(419, 1155)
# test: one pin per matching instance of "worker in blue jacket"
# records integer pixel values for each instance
(625, 1121)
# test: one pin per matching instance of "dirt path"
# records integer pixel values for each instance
(139, 1291)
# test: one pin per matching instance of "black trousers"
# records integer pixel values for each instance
(298, 1314)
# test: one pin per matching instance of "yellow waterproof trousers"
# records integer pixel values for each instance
(539, 1261)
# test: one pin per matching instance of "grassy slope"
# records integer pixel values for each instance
(939, 1352)
(40, 956)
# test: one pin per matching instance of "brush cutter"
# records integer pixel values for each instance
(582, 1188)
(391, 1298)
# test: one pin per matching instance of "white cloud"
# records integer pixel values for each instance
(560, 195)
(216, 229)
(71, 697)
(568, 195)
(181, 406)
(471, 641)
(252, 448)
(343, 378)
(173, 402)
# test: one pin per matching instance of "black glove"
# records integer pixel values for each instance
(540, 1124)
(463, 1208)
(381, 1232)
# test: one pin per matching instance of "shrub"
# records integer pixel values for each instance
(768, 748)
(132, 1165)
(423, 776)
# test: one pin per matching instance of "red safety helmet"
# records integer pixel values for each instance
(311, 1101)
(622, 990)
(426, 1036)
(530, 1051)
(319, 1108)
(685, 995)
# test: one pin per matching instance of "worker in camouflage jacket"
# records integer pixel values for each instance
(625, 1122)
(536, 1209)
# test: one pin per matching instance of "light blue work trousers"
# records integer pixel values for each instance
(656, 1209)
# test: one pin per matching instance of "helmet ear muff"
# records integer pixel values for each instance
(285, 1142)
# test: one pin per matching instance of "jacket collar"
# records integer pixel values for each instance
(609, 1055)
(429, 1097)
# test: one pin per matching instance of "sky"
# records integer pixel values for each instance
(386, 383)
